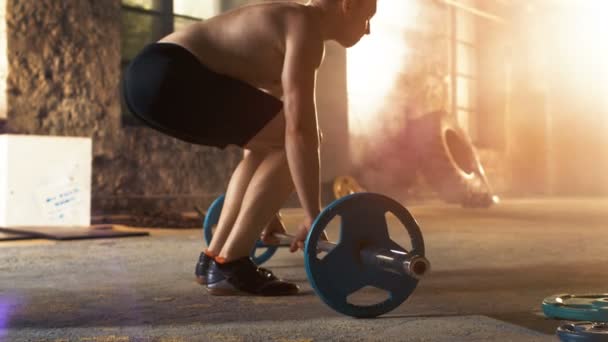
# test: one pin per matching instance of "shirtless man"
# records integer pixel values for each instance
(247, 78)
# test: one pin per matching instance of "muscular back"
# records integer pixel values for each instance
(247, 43)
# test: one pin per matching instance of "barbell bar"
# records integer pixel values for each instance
(390, 260)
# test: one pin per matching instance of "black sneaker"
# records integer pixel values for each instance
(201, 269)
(205, 276)
(243, 277)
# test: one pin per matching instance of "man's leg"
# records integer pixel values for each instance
(268, 189)
(270, 138)
(234, 194)
(234, 272)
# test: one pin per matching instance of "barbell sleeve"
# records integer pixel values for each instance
(396, 261)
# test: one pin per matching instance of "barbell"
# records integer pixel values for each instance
(364, 255)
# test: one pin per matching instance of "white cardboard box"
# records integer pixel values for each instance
(45, 181)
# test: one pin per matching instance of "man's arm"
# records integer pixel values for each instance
(303, 54)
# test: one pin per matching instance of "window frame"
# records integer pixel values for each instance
(462, 24)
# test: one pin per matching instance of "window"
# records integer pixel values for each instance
(146, 21)
(464, 67)
(472, 27)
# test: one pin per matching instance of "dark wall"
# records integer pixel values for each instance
(64, 78)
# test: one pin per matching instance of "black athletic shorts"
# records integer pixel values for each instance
(169, 89)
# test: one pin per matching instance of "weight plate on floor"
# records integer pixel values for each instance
(260, 253)
(341, 273)
(583, 332)
(346, 185)
(583, 307)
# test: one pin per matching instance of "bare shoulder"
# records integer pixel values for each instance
(302, 33)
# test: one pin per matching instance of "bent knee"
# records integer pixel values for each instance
(265, 147)
(271, 137)
(263, 152)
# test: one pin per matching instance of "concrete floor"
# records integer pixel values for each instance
(491, 270)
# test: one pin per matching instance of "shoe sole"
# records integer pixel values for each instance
(224, 288)
(201, 280)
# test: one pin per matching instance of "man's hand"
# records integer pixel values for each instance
(275, 226)
(301, 234)
(300, 237)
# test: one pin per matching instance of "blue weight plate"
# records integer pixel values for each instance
(212, 218)
(583, 332)
(581, 307)
(340, 272)
(260, 253)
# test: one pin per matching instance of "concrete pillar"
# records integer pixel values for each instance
(332, 107)
(3, 60)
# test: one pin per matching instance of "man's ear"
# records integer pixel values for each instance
(347, 5)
